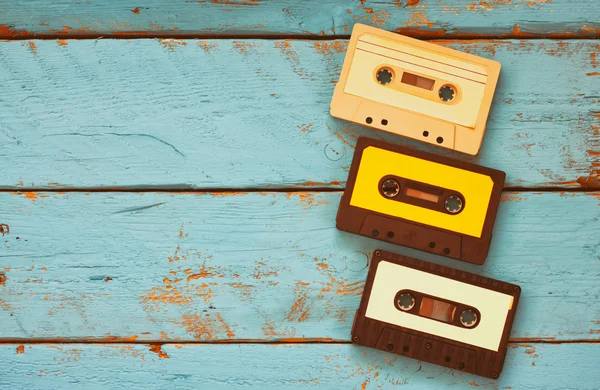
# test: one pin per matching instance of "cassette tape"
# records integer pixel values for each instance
(436, 314)
(415, 89)
(421, 200)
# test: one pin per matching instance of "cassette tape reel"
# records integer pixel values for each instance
(436, 314)
(415, 89)
(421, 200)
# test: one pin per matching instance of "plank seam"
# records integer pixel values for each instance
(128, 341)
(170, 35)
(200, 191)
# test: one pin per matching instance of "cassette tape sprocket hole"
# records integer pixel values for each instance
(385, 76)
(453, 204)
(468, 318)
(390, 188)
(447, 93)
(405, 301)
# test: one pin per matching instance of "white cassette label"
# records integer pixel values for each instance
(391, 278)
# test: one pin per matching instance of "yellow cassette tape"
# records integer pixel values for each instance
(418, 199)
(415, 89)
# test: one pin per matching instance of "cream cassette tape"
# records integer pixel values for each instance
(415, 89)
(436, 314)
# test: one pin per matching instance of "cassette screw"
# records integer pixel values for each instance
(390, 188)
(377, 253)
(428, 345)
(495, 375)
(389, 347)
(516, 289)
(355, 339)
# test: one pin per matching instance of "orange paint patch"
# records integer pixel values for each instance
(136, 10)
(305, 127)
(204, 272)
(262, 270)
(299, 310)
(352, 289)
(9, 32)
(207, 46)
(594, 74)
(4, 229)
(32, 196)
(472, 383)
(21, 349)
(510, 198)
(61, 42)
(590, 182)
(207, 327)
(226, 193)
(593, 60)
(117, 339)
(327, 48)
(419, 19)
(157, 349)
(308, 199)
(171, 44)
(33, 48)
(108, 279)
(378, 18)
(241, 3)
(243, 46)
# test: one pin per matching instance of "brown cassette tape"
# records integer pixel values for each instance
(421, 200)
(436, 314)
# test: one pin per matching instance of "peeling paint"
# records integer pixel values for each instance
(171, 44)
(243, 46)
(207, 327)
(4, 229)
(591, 182)
(61, 42)
(207, 46)
(21, 349)
(33, 47)
(157, 349)
(327, 48)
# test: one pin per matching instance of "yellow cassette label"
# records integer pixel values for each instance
(377, 163)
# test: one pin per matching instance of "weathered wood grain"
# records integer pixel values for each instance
(255, 113)
(148, 266)
(422, 18)
(56, 366)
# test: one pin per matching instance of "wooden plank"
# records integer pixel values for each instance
(157, 266)
(255, 113)
(422, 18)
(527, 366)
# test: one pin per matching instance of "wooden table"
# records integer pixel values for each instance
(171, 174)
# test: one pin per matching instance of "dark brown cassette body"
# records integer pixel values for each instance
(424, 201)
(418, 331)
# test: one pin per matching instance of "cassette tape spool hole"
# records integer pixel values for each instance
(390, 188)
(453, 204)
(384, 75)
(447, 93)
(468, 318)
(404, 301)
